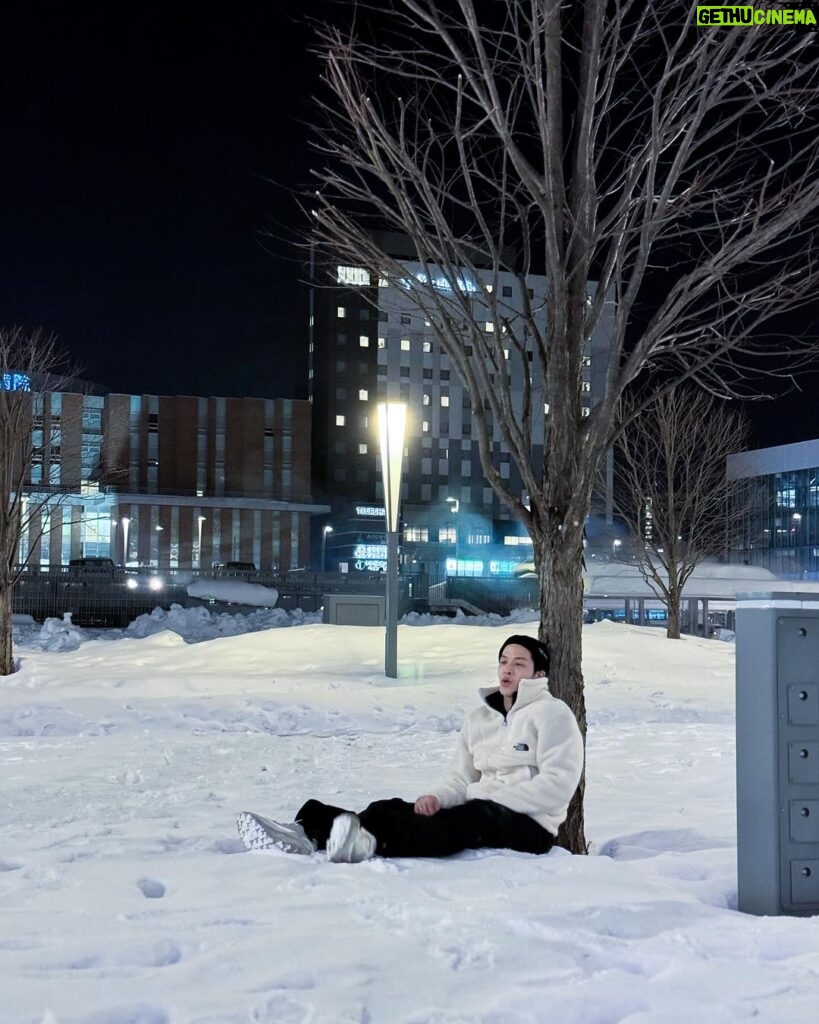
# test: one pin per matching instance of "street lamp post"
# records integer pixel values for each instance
(455, 508)
(392, 417)
(199, 521)
(325, 530)
(126, 522)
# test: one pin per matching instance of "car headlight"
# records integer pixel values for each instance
(131, 583)
(155, 583)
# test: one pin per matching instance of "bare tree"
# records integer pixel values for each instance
(673, 491)
(30, 366)
(588, 141)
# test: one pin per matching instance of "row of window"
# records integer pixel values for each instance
(446, 535)
(363, 396)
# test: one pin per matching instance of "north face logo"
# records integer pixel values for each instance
(521, 746)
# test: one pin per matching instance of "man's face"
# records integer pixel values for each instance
(515, 664)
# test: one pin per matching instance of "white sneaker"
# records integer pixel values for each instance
(349, 842)
(259, 833)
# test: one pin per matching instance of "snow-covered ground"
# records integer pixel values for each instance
(126, 897)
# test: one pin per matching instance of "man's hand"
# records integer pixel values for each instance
(428, 804)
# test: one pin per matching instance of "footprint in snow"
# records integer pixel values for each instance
(281, 1009)
(9, 865)
(151, 888)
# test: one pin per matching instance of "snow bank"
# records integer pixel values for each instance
(199, 624)
(235, 592)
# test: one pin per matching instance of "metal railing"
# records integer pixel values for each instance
(115, 598)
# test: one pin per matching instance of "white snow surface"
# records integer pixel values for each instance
(127, 898)
(235, 591)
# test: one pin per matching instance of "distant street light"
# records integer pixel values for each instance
(325, 530)
(392, 419)
(455, 508)
(615, 544)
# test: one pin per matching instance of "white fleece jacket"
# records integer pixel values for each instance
(531, 762)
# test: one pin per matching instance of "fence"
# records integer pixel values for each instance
(116, 598)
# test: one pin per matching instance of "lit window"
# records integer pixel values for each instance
(353, 275)
(490, 288)
(364, 341)
(546, 408)
(444, 400)
(341, 312)
(420, 534)
(585, 411)
(362, 449)
(312, 320)
(489, 327)
(405, 344)
(426, 400)
(427, 346)
(506, 353)
(383, 282)
(339, 421)
(363, 394)
(585, 386)
(447, 535)
(586, 361)
(427, 323)
(382, 342)
(425, 427)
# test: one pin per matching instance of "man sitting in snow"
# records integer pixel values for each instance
(517, 766)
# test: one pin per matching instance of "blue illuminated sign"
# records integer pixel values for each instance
(15, 382)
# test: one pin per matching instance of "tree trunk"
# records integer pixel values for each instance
(561, 623)
(673, 630)
(6, 653)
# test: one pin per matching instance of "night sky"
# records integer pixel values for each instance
(150, 157)
(147, 154)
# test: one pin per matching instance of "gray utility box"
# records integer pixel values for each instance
(777, 703)
(355, 609)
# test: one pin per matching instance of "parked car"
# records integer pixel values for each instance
(100, 566)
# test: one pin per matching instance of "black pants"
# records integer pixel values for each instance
(400, 832)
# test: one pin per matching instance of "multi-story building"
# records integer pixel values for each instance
(780, 531)
(172, 481)
(370, 342)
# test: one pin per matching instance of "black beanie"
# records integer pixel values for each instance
(538, 650)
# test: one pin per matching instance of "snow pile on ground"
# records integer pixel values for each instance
(58, 635)
(235, 591)
(127, 898)
(462, 619)
(200, 623)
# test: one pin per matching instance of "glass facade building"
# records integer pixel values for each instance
(780, 530)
